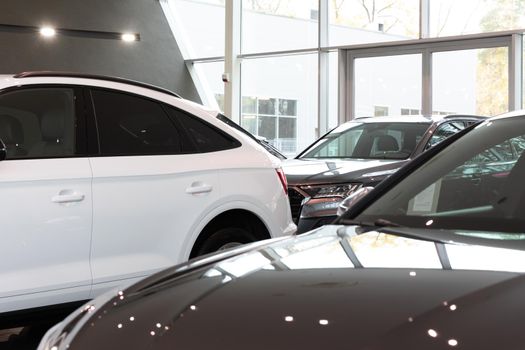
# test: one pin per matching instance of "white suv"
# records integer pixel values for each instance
(106, 180)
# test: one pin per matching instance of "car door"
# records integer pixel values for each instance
(150, 186)
(45, 183)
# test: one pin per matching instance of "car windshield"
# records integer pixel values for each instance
(476, 183)
(368, 141)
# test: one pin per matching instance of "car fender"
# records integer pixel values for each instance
(219, 208)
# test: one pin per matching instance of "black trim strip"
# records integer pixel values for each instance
(350, 253)
(443, 256)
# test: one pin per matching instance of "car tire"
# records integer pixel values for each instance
(225, 238)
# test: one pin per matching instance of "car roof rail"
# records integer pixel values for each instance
(459, 115)
(37, 74)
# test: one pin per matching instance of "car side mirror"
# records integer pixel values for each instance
(3, 150)
(352, 199)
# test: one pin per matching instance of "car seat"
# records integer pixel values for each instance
(12, 134)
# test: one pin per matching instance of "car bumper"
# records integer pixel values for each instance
(307, 224)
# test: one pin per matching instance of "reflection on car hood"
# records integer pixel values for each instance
(321, 171)
(329, 288)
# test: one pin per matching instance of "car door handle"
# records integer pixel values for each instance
(197, 188)
(67, 197)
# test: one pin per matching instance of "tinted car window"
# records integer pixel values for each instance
(473, 184)
(443, 131)
(131, 125)
(206, 137)
(369, 141)
(38, 122)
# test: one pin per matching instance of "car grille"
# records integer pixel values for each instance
(296, 200)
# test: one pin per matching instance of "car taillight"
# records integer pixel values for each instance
(282, 177)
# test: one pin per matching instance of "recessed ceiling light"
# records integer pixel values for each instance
(48, 32)
(129, 37)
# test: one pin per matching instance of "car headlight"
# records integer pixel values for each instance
(331, 191)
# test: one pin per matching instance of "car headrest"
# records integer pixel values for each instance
(386, 143)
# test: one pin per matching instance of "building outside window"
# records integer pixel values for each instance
(281, 91)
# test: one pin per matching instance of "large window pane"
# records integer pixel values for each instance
(470, 81)
(284, 91)
(358, 21)
(210, 83)
(387, 85)
(276, 25)
(453, 17)
(200, 27)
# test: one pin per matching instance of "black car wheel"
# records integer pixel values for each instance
(225, 238)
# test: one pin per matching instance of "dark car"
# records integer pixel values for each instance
(432, 258)
(359, 153)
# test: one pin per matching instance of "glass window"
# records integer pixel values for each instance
(131, 125)
(249, 122)
(206, 137)
(452, 17)
(444, 131)
(249, 105)
(267, 127)
(380, 111)
(267, 106)
(209, 80)
(483, 77)
(200, 25)
(284, 90)
(477, 186)
(38, 123)
(369, 141)
(393, 82)
(358, 22)
(276, 25)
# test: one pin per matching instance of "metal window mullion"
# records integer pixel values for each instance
(346, 86)
(426, 81)
(424, 19)
(516, 72)
(323, 69)
(232, 63)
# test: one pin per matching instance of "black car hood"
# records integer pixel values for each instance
(322, 171)
(325, 290)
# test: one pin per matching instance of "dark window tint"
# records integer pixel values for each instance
(206, 137)
(131, 125)
(38, 122)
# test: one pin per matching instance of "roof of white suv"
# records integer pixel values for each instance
(40, 74)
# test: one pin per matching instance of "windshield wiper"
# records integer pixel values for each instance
(377, 223)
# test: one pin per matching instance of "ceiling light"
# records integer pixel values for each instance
(47, 32)
(129, 37)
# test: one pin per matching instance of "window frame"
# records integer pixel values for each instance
(95, 138)
(81, 132)
(189, 145)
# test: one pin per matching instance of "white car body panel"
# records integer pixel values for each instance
(35, 230)
(136, 216)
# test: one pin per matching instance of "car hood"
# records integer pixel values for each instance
(330, 288)
(322, 171)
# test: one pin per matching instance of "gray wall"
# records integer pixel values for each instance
(155, 59)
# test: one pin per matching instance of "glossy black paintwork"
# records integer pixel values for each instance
(327, 289)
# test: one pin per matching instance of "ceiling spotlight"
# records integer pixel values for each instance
(127, 37)
(48, 32)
